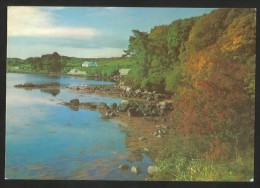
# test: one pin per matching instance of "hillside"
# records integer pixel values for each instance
(57, 64)
(208, 62)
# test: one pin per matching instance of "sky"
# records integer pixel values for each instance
(87, 32)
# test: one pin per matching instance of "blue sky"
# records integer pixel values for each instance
(83, 31)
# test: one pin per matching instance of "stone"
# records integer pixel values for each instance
(74, 101)
(165, 127)
(123, 167)
(91, 105)
(152, 169)
(155, 134)
(128, 89)
(113, 106)
(134, 112)
(109, 114)
(138, 91)
(103, 106)
(135, 170)
(123, 106)
(141, 138)
(146, 150)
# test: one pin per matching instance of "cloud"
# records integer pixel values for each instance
(40, 22)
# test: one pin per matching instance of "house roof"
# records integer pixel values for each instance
(124, 71)
(89, 62)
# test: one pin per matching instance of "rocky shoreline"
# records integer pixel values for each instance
(147, 125)
(145, 116)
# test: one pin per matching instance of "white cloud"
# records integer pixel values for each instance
(38, 22)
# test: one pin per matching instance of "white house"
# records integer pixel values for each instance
(89, 64)
(124, 72)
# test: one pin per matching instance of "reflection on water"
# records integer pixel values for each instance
(46, 140)
(53, 92)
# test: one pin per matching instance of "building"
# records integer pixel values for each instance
(124, 72)
(89, 64)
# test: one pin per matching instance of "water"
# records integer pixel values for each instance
(46, 140)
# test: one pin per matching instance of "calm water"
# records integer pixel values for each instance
(46, 140)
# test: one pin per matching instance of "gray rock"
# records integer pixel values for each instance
(135, 170)
(152, 169)
(134, 112)
(123, 106)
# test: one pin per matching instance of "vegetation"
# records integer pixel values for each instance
(209, 63)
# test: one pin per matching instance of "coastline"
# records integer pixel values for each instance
(140, 138)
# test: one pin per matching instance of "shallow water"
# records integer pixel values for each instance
(47, 140)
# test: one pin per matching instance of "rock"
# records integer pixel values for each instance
(138, 91)
(91, 105)
(74, 102)
(159, 136)
(128, 89)
(141, 138)
(103, 106)
(110, 114)
(134, 112)
(123, 167)
(136, 169)
(146, 150)
(123, 106)
(113, 106)
(165, 127)
(155, 134)
(152, 169)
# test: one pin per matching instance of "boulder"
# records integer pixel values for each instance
(165, 105)
(134, 112)
(91, 105)
(138, 91)
(110, 114)
(152, 169)
(128, 89)
(103, 106)
(123, 167)
(74, 102)
(136, 169)
(113, 106)
(123, 106)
